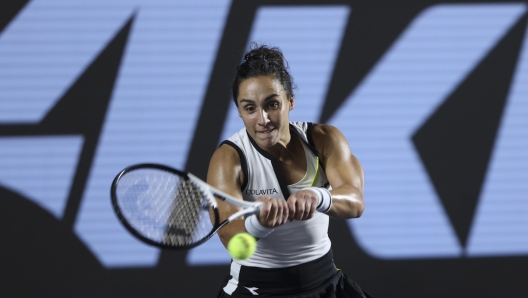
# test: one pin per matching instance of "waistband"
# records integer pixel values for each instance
(295, 279)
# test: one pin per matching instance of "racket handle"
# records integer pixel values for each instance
(253, 210)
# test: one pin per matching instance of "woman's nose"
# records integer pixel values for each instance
(263, 118)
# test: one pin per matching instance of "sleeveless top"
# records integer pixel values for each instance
(295, 242)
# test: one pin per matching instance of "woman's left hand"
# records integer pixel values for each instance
(302, 205)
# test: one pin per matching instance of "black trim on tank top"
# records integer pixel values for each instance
(309, 144)
(276, 168)
(243, 163)
(309, 132)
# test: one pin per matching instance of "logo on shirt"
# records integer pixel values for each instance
(269, 191)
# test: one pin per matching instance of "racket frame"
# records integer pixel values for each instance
(209, 191)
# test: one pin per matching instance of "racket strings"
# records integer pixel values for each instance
(188, 223)
(164, 207)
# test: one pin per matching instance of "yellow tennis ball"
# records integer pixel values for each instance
(242, 246)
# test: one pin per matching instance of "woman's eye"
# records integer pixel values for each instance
(249, 109)
(274, 105)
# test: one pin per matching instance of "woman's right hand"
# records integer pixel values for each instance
(273, 212)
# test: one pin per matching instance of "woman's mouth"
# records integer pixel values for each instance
(266, 132)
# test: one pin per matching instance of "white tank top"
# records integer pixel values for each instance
(295, 242)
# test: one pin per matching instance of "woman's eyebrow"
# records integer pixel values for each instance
(265, 99)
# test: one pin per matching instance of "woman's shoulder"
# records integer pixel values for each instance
(224, 164)
(324, 131)
(328, 138)
(225, 154)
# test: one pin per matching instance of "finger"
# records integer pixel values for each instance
(282, 207)
(308, 202)
(286, 213)
(300, 209)
(277, 208)
(314, 200)
(291, 207)
(264, 214)
(273, 213)
(311, 208)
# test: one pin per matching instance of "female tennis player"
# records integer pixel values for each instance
(302, 172)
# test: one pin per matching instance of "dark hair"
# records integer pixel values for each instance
(264, 61)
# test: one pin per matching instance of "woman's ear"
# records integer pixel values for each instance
(292, 103)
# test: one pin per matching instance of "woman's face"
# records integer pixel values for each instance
(264, 107)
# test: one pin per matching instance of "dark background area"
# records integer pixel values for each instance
(42, 256)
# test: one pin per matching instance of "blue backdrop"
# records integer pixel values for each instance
(432, 97)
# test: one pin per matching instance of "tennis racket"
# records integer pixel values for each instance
(168, 208)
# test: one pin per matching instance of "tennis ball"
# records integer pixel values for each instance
(242, 246)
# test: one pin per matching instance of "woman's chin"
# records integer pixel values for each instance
(264, 144)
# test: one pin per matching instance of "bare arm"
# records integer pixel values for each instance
(225, 174)
(343, 170)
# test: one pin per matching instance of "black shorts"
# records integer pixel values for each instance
(316, 279)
